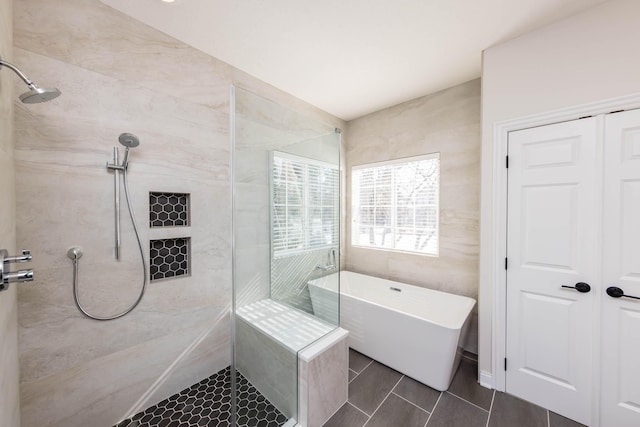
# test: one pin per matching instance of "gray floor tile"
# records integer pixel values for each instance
(454, 412)
(358, 361)
(556, 420)
(347, 416)
(352, 375)
(470, 355)
(373, 384)
(508, 411)
(398, 412)
(465, 385)
(417, 393)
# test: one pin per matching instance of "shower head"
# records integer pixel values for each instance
(129, 140)
(35, 94)
(38, 94)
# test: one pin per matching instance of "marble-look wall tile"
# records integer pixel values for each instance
(9, 378)
(106, 389)
(269, 365)
(118, 75)
(262, 125)
(324, 384)
(195, 360)
(447, 122)
(93, 36)
(290, 275)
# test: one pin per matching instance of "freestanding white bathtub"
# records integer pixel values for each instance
(414, 330)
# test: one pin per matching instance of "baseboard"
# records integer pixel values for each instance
(486, 379)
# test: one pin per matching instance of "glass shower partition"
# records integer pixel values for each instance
(286, 228)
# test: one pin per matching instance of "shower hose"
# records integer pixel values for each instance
(74, 254)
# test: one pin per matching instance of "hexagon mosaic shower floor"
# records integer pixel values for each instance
(208, 403)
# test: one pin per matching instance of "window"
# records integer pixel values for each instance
(394, 204)
(305, 209)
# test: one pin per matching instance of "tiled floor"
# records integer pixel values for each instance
(208, 403)
(382, 397)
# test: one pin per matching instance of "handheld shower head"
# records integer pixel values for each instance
(35, 94)
(129, 140)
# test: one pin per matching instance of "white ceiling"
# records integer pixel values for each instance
(351, 57)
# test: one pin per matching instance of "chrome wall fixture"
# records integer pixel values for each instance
(35, 94)
(331, 261)
(75, 253)
(129, 141)
(7, 276)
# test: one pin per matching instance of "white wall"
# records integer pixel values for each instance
(589, 57)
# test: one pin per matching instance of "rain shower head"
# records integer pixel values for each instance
(35, 94)
(38, 94)
(129, 140)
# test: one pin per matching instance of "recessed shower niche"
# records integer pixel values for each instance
(169, 209)
(169, 258)
(169, 252)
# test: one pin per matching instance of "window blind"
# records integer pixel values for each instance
(395, 204)
(305, 208)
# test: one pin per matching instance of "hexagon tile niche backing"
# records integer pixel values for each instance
(168, 209)
(169, 258)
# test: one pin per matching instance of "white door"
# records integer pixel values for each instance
(620, 349)
(554, 180)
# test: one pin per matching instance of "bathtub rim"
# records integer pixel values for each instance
(471, 302)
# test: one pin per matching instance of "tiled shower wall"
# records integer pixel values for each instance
(447, 122)
(118, 75)
(263, 125)
(9, 405)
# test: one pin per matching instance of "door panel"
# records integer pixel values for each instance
(553, 229)
(620, 350)
(549, 214)
(540, 335)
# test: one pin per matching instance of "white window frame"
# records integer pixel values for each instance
(306, 247)
(354, 214)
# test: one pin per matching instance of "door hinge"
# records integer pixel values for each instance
(507, 162)
(506, 263)
(505, 363)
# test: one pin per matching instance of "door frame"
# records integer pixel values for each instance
(497, 378)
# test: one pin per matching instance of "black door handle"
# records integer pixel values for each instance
(616, 292)
(580, 287)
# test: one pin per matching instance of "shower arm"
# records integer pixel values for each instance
(20, 74)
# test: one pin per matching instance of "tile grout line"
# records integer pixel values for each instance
(469, 358)
(465, 400)
(358, 373)
(491, 407)
(407, 400)
(349, 382)
(384, 400)
(367, 415)
(368, 364)
(434, 409)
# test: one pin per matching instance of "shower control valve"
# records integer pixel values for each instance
(25, 257)
(7, 276)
